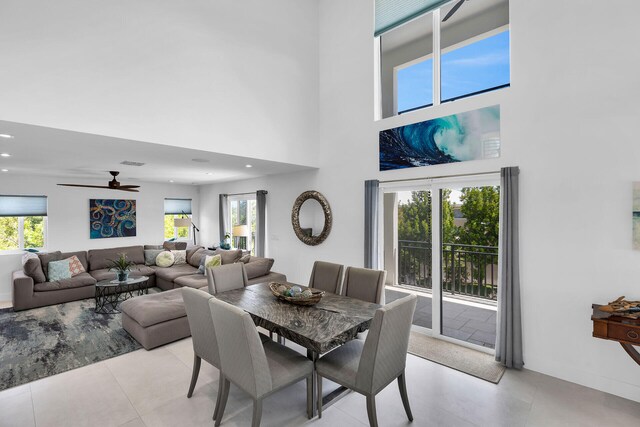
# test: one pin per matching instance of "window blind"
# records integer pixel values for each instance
(177, 206)
(23, 206)
(393, 13)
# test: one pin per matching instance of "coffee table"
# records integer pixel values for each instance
(110, 293)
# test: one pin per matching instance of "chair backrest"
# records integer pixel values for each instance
(326, 276)
(384, 355)
(242, 357)
(226, 277)
(196, 303)
(364, 284)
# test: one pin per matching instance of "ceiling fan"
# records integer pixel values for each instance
(112, 185)
(453, 10)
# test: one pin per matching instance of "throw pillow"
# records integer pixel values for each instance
(47, 257)
(33, 268)
(258, 267)
(75, 266)
(179, 257)
(211, 261)
(164, 259)
(150, 256)
(245, 258)
(229, 256)
(59, 270)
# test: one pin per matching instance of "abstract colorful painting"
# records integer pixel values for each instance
(112, 218)
(636, 215)
(472, 135)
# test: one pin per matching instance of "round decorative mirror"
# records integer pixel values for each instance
(311, 218)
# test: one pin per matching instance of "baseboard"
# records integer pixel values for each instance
(587, 379)
(6, 297)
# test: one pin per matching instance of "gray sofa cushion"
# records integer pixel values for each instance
(82, 279)
(258, 266)
(174, 246)
(33, 268)
(152, 247)
(196, 281)
(196, 257)
(175, 271)
(191, 251)
(107, 274)
(152, 309)
(99, 258)
(82, 256)
(229, 256)
(46, 258)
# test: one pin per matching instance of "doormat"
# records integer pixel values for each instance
(45, 341)
(463, 359)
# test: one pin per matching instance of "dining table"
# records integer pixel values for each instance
(332, 322)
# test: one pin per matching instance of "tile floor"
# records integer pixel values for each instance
(148, 388)
(462, 321)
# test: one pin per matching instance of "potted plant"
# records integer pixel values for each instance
(121, 266)
(225, 244)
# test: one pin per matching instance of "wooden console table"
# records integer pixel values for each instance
(621, 329)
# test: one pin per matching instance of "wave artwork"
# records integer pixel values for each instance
(472, 135)
(112, 218)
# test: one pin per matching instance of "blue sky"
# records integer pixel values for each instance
(472, 68)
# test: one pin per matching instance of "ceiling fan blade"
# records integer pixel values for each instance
(453, 10)
(84, 186)
(130, 190)
(129, 186)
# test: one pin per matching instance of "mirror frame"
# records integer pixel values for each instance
(295, 218)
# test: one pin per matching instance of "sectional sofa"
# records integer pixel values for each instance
(31, 289)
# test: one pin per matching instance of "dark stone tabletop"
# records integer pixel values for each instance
(335, 320)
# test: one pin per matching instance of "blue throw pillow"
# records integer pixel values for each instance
(59, 270)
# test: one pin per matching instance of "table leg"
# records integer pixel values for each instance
(631, 351)
(313, 356)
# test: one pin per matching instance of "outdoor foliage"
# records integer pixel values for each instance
(33, 232)
(183, 232)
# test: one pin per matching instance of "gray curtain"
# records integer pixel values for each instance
(371, 223)
(509, 336)
(261, 224)
(223, 215)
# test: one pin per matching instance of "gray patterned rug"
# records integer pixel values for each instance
(46, 341)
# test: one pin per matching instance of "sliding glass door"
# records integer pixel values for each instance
(440, 242)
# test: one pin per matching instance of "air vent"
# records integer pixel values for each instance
(200, 160)
(130, 163)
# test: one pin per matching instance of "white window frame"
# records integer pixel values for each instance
(436, 56)
(229, 226)
(435, 185)
(45, 232)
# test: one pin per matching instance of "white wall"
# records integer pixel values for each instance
(235, 77)
(568, 122)
(68, 216)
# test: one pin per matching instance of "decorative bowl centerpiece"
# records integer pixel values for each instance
(295, 294)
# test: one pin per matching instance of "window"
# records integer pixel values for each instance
(176, 208)
(242, 209)
(23, 222)
(471, 57)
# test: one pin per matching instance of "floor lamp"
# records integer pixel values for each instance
(186, 222)
(241, 231)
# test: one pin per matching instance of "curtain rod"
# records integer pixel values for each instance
(439, 177)
(244, 194)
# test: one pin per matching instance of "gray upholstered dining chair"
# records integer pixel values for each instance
(326, 276)
(205, 346)
(257, 368)
(364, 284)
(226, 277)
(369, 366)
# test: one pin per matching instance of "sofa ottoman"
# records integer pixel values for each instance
(156, 319)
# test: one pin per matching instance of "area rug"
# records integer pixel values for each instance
(45, 341)
(463, 359)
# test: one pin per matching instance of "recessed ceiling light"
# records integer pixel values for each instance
(170, 180)
(5, 170)
(209, 173)
(5, 155)
(248, 166)
(6, 136)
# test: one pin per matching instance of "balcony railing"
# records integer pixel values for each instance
(466, 269)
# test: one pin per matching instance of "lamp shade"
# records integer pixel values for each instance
(240, 230)
(181, 222)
